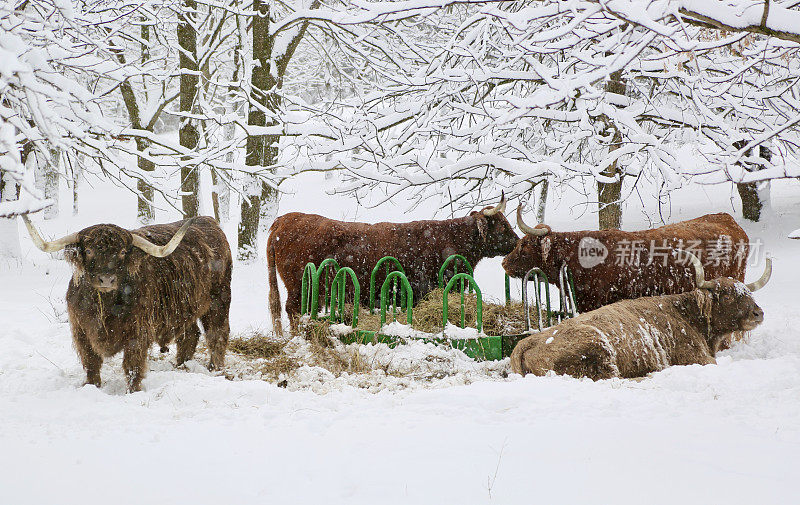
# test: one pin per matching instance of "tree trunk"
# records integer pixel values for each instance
(609, 193)
(145, 213)
(9, 191)
(541, 205)
(262, 150)
(46, 176)
(9, 235)
(189, 85)
(77, 181)
(754, 199)
(221, 196)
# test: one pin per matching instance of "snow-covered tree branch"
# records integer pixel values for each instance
(517, 92)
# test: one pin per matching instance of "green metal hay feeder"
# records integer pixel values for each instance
(483, 347)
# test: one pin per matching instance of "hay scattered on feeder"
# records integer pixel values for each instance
(498, 318)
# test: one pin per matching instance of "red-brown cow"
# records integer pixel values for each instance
(613, 265)
(421, 247)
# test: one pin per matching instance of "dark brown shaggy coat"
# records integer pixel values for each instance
(633, 338)
(156, 299)
(421, 247)
(609, 282)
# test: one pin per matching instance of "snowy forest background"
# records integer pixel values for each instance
(210, 106)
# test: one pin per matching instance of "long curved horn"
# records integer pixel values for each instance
(500, 207)
(699, 271)
(755, 286)
(160, 251)
(48, 247)
(536, 232)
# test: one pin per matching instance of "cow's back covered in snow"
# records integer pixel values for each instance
(632, 338)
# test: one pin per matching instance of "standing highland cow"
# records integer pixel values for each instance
(153, 284)
(613, 265)
(421, 247)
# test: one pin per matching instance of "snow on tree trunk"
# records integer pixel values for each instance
(9, 234)
(189, 85)
(609, 193)
(755, 195)
(46, 176)
(262, 150)
(221, 197)
(145, 213)
(77, 181)
(541, 205)
(205, 195)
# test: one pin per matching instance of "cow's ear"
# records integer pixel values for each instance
(134, 261)
(74, 256)
(483, 226)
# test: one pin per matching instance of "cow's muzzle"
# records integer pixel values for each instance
(755, 319)
(105, 283)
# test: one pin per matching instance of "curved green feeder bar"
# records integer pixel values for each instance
(337, 295)
(309, 274)
(405, 286)
(315, 283)
(398, 267)
(464, 277)
(452, 259)
(508, 290)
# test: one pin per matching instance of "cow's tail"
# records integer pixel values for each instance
(274, 292)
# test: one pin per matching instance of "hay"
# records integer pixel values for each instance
(267, 352)
(498, 318)
(313, 360)
(257, 345)
(327, 353)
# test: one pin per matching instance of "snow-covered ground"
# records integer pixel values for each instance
(728, 433)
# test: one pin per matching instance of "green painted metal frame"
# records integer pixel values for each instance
(464, 278)
(385, 259)
(483, 348)
(409, 296)
(452, 259)
(315, 284)
(309, 275)
(489, 347)
(338, 288)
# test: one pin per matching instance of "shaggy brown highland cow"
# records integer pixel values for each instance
(632, 338)
(153, 284)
